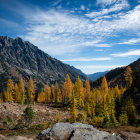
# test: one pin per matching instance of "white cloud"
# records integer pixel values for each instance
(51, 29)
(82, 7)
(87, 59)
(106, 2)
(109, 2)
(131, 41)
(129, 53)
(94, 43)
(120, 5)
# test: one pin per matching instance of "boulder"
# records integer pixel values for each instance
(75, 131)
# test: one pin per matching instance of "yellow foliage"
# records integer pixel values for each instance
(31, 92)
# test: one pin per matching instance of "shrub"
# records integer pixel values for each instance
(123, 119)
(29, 115)
(82, 117)
(98, 121)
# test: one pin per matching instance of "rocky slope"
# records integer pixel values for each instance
(21, 58)
(12, 115)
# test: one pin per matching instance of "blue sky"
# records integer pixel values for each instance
(92, 35)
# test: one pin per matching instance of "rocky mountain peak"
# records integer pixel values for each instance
(19, 58)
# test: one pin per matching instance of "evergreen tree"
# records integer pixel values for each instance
(64, 93)
(31, 91)
(128, 76)
(47, 93)
(74, 112)
(79, 92)
(22, 91)
(52, 94)
(104, 90)
(57, 93)
(17, 97)
(87, 90)
(10, 91)
(41, 97)
(130, 110)
(69, 86)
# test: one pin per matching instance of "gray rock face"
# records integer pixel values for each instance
(21, 58)
(75, 131)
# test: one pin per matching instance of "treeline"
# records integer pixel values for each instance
(102, 106)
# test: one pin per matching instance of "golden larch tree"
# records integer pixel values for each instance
(87, 90)
(17, 97)
(104, 89)
(31, 91)
(47, 93)
(22, 91)
(57, 93)
(69, 88)
(128, 76)
(64, 92)
(79, 92)
(10, 91)
(74, 111)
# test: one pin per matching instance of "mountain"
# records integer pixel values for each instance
(97, 75)
(19, 58)
(79, 71)
(116, 76)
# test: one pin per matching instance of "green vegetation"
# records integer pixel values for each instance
(29, 115)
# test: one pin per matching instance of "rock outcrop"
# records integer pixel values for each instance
(75, 131)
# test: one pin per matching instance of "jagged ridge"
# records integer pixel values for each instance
(21, 58)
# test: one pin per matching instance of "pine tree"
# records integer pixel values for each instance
(17, 97)
(96, 95)
(57, 93)
(88, 110)
(41, 97)
(31, 91)
(9, 93)
(128, 76)
(64, 93)
(47, 93)
(74, 112)
(52, 94)
(69, 89)
(79, 92)
(130, 110)
(87, 90)
(104, 89)
(22, 91)
(117, 91)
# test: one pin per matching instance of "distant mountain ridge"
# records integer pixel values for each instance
(97, 75)
(19, 58)
(116, 77)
